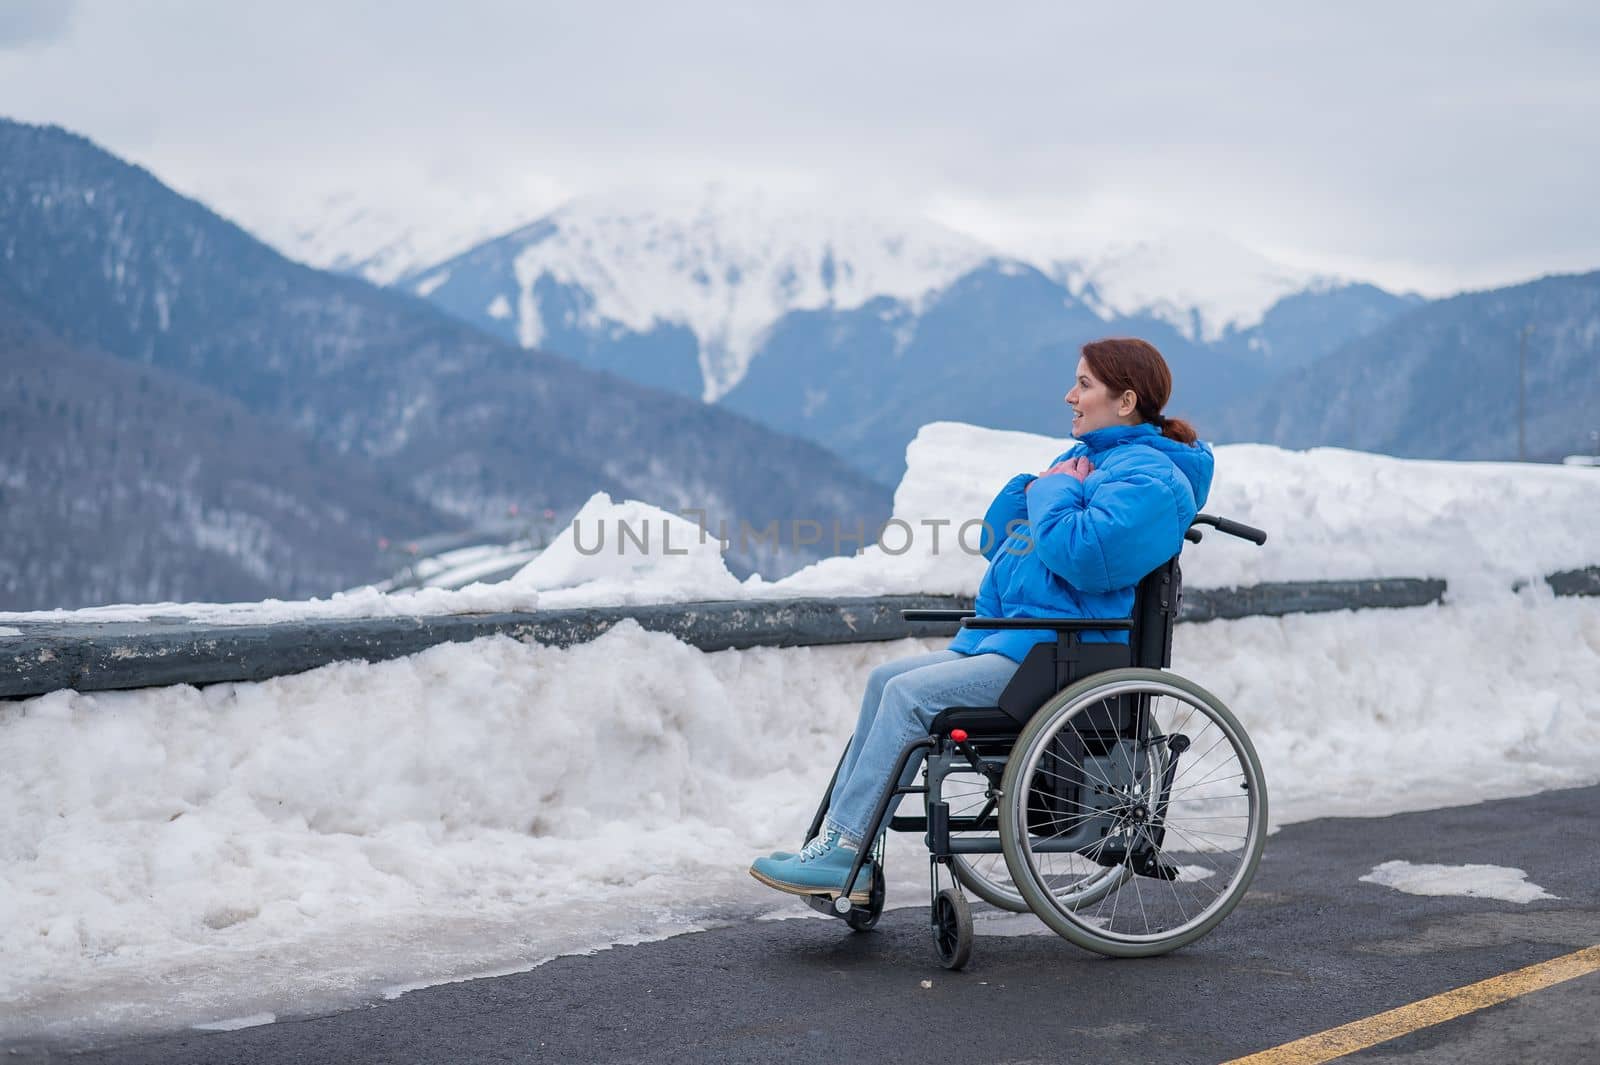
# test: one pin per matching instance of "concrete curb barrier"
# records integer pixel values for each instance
(104, 656)
(1308, 597)
(1584, 581)
(49, 656)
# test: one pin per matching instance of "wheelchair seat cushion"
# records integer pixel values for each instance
(980, 722)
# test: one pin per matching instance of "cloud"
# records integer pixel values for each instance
(1375, 139)
(31, 23)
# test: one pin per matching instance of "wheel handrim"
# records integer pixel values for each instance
(1208, 827)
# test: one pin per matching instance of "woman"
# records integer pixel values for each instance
(1071, 542)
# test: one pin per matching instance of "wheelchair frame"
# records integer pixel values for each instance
(982, 740)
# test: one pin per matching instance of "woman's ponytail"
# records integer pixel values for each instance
(1177, 429)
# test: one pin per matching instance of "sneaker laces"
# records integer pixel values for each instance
(819, 846)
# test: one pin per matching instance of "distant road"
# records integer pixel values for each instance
(1311, 948)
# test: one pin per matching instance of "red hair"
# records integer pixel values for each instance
(1128, 364)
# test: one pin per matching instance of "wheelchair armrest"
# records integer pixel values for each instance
(1053, 624)
(936, 615)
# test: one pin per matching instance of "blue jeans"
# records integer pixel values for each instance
(901, 700)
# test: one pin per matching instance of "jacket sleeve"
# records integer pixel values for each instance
(1009, 506)
(1107, 536)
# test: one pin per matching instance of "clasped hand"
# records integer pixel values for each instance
(1079, 467)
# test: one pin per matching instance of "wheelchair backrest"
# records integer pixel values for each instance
(1049, 667)
(1155, 609)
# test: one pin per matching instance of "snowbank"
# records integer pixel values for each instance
(628, 553)
(1330, 514)
(177, 856)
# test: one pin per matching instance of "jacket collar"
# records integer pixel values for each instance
(1113, 435)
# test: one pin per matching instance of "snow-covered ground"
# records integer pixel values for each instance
(216, 856)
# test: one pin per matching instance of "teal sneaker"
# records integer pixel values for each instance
(819, 869)
(783, 856)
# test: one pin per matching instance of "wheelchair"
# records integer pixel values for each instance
(1121, 803)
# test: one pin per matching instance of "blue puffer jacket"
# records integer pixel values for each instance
(1080, 547)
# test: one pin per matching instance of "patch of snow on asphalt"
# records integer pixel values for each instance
(1472, 881)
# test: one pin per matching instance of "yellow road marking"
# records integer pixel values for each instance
(1382, 1027)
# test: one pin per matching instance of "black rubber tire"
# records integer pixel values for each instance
(1015, 836)
(952, 928)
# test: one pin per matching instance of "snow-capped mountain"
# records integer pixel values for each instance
(708, 270)
(1203, 284)
(723, 264)
(380, 242)
(848, 324)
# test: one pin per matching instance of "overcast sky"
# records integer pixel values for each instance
(1424, 145)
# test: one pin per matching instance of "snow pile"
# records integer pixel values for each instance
(1473, 881)
(1330, 514)
(178, 855)
(953, 471)
(628, 553)
(1358, 713)
(361, 826)
(728, 264)
(1346, 515)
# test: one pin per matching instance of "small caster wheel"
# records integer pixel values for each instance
(952, 928)
(863, 918)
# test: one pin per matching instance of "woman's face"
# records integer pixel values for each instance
(1093, 405)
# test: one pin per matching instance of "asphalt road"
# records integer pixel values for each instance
(1310, 948)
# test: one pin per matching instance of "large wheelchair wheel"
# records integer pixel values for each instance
(987, 875)
(1134, 812)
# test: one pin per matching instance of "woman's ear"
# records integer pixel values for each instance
(1128, 403)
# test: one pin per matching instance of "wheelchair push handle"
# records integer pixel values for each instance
(1229, 526)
